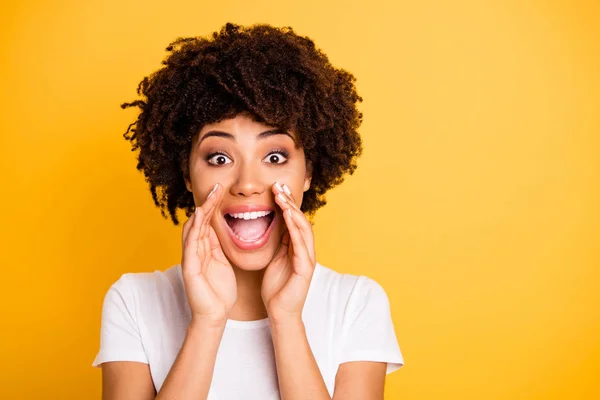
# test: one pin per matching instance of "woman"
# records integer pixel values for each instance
(246, 131)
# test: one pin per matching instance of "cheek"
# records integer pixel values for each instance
(294, 185)
(206, 176)
(293, 176)
(201, 192)
(203, 181)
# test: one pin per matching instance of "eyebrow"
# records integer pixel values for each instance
(260, 136)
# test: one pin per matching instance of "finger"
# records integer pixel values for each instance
(202, 215)
(305, 228)
(297, 241)
(187, 225)
(287, 191)
(283, 189)
(210, 200)
(300, 221)
(215, 246)
(191, 249)
(283, 246)
(306, 231)
(298, 248)
(194, 231)
(214, 200)
(285, 200)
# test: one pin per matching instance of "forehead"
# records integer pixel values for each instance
(241, 122)
(241, 128)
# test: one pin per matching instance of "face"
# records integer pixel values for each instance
(246, 158)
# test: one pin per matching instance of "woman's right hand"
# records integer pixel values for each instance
(208, 277)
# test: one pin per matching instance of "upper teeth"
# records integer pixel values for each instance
(251, 215)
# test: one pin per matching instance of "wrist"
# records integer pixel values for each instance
(285, 322)
(206, 325)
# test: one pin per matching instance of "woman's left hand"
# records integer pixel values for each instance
(288, 276)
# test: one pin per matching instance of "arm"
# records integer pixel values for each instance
(123, 380)
(189, 377)
(211, 291)
(297, 370)
(364, 380)
(284, 289)
(192, 372)
(300, 377)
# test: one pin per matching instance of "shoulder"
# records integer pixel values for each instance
(142, 283)
(346, 284)
(134, 306)
(148, 292)
(350, 292)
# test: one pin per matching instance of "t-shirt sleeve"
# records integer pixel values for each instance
(120, 338)
(368, 331)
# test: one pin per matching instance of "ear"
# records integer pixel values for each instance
(308, 176)
(307, 181)
(188, 185)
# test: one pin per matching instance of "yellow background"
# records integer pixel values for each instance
(475, 204)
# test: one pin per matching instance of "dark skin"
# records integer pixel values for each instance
(246, 168)
(225, 282)
(271, 73)
(279, 78)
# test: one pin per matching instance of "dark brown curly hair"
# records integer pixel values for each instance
(273, 74)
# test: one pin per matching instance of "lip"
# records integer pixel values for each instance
(242, 208)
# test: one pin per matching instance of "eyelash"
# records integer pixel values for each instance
(282, 152)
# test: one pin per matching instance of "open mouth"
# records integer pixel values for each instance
(249, 227)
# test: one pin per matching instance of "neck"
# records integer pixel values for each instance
(249, 305)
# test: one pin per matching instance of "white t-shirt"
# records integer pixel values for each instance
(346, 317)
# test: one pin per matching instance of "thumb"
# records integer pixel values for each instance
(283, 246)
(215, 246)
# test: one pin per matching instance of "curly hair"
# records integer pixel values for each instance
(275, 75)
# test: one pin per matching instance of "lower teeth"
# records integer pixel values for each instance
(248, 240)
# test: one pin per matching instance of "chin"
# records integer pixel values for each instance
(253, 255)
(250, 262)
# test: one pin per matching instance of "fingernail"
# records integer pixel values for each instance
(278, 186)
(287, 190)
(196, 210)
(289, 211)
(212, 191)
(281, 197)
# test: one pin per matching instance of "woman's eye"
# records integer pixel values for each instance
(277, 157)
(218, 159)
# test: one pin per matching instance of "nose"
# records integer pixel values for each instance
(247, 182)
